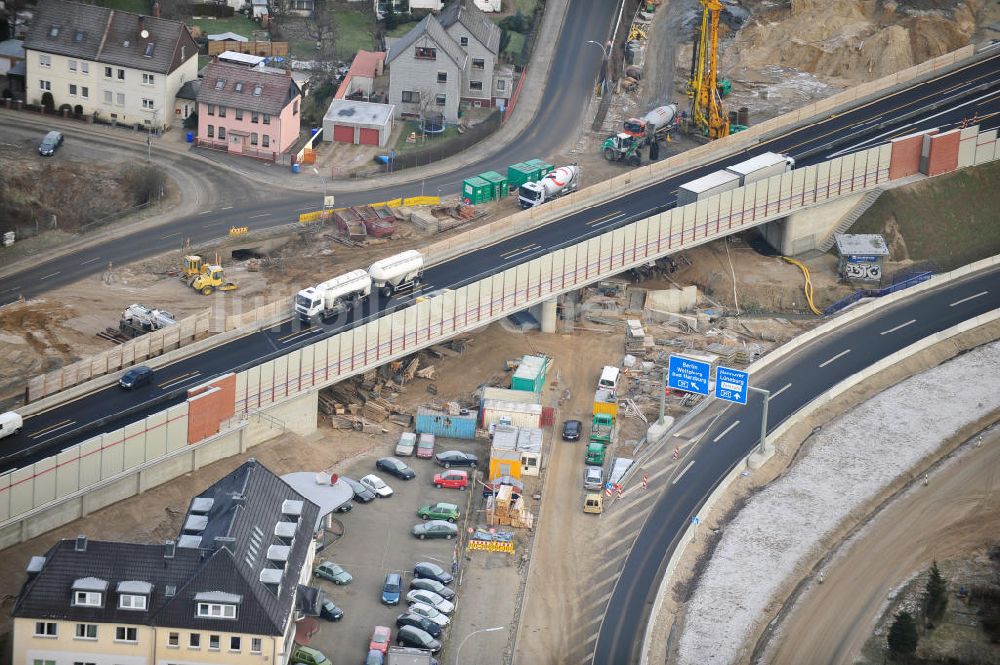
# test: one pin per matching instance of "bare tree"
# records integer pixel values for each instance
(324, 29)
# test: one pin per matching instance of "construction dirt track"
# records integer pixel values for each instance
(957, 512)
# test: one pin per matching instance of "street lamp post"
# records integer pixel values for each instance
(606, 51)
(763, 417)
(322, 179)
(475, 632)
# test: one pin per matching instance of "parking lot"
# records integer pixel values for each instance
(377, 541)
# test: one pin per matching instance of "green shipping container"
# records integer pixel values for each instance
(530, 374)
(498, 184)
(475, 190)
(543, 168)
(518, 174)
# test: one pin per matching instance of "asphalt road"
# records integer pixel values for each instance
(793, 383)
(572, 75)
(109, 409)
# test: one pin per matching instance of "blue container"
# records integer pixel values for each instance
(313, 131)
(295, 167)
(441, 423)
(190, 137)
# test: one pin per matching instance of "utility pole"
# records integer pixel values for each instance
(763, 418)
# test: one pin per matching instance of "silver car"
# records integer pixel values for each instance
(430, 598)
(593, 477)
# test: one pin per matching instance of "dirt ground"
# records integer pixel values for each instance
(956, 514)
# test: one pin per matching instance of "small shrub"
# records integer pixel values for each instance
(48, 102)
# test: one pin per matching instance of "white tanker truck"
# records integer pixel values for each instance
(562, 180)
(337, 295)
(333, 296)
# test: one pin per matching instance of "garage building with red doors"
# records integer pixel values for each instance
(361, 123)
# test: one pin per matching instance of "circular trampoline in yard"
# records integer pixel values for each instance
(433, 124)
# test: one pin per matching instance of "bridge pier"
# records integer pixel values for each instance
(548, 319)
(808, 229)
(298, 414)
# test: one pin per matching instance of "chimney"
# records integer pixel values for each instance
(142, 22)
(169, 547)
(81, 544)
(156, 9)
(224, 541)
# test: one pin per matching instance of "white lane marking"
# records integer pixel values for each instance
(609, 220)
(90, 261)
(264, 214)
(839, 355)
(13, 288)
(227, 208)
(204, 212)
(170, 236)
(899, 327)
(52, 275)
(957, 302)
(787, 386)
(681, 475)
(726, 431)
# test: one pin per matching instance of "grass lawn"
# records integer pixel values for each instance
(213, 26)
(135, 6)
(515, 45)
(400, 30)
(526, 7)
(403, 147)
(356, 32)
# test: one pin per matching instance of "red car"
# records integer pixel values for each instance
(453, 479)
(380, 639)
(425, 446)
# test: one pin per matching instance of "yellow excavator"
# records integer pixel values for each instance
(707, 112)
(205, 277)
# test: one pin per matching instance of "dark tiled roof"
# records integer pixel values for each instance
(13, 48)
(189, 90)
(109, 36)
(245, 507)
(429, 26)
(474, 20)
(277, 89)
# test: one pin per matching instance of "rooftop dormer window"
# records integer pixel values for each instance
(217, 605)
(128, 601)
(239, 86)
(149, 49)
(257, 90)
(220, 84)
(134, 595)
(79, 36)
(54, 31)
(89, 592)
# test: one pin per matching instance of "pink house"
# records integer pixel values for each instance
(252, 111)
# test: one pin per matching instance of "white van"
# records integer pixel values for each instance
(609, 379)
(10, 424)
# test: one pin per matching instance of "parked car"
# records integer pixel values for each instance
(136, 377)
(411, 636)
(493, 486)
(432, 585)
(425, 445)
(361, 493)
(380, 638)
(330, 612)
(50, 144)
(392, 589)
(309, 656)
(328, 570)
(571, 430)
(593, 477)
(432, 571)
(393, 466)
(448, 512)
(435, 529)
(450, 458)
(374, 657)
(432, 599)
(426, 611)
(377, 485)
(423, 623)
(407, 442)
(453, 479)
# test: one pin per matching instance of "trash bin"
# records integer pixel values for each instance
(190, 137)
(295, 167)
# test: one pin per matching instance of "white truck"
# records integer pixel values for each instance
(705, 186)
(326, 300)
(655, 125)
(562, 180)
(397, 273)
(762, 167)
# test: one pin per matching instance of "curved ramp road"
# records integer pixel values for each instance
(572, 75)
(71, 423)
(794, 382)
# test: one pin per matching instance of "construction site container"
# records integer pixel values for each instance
(706, 186)
(498, 184)
(518, 174)
(508, 395)
(518, 414)
(529, 445)
(530, 374)
(543, 168)
(504, 462)
(605, 402)
(475, 190)
(505, 437)
(441, 423)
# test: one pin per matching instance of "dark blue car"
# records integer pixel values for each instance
(392, 589)
(135, 377)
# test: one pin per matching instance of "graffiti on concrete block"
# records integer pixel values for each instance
(865, 272)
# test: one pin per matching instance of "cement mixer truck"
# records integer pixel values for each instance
(333, 296)
(397, 273)
(654, 126)
(562, 180)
